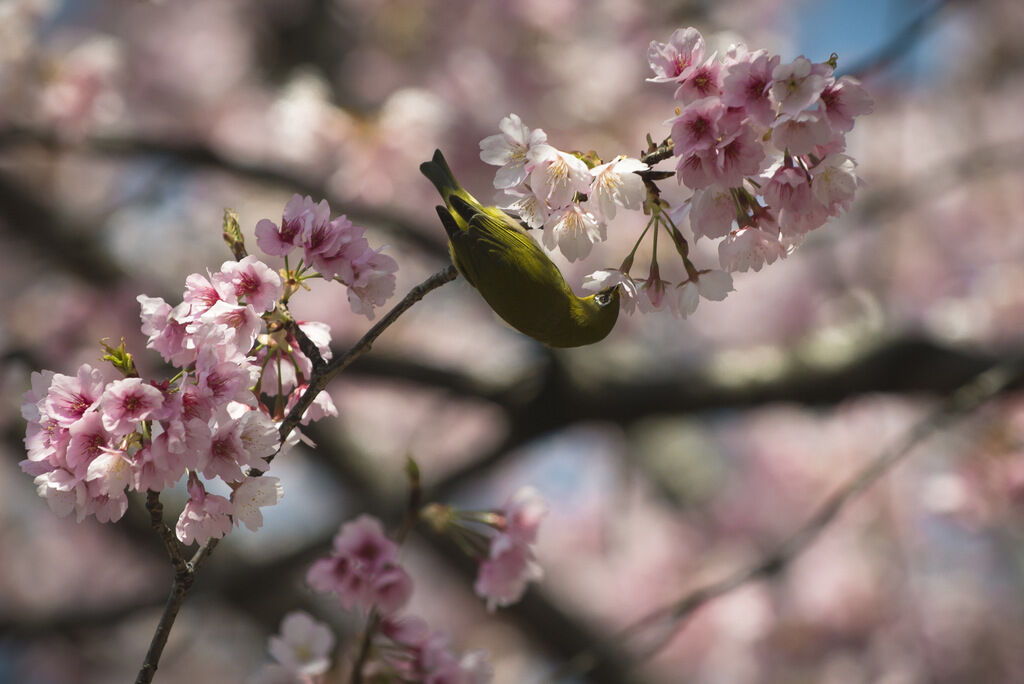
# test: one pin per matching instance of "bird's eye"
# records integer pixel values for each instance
(602, 299)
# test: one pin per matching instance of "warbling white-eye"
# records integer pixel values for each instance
(514, 275)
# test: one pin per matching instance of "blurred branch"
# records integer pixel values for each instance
(669, 619)
(199, 154)
(33, 221)
(905, 366)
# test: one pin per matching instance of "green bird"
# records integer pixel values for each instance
(515, 277)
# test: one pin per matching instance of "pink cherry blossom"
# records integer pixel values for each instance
(698, 82)
(299, 215)
(251, 281)
(712, 212)
(104, 507)
(68, 398)
(798, 84)
(684, 48)
(205, 517)
(167, 332)
(126, 403)
(156, 468)
(696, 128)
(89, 439)
(843, 100)
(372, 282)
(222, 373)
(344, 245)
(63, 491)
(749, 248)
(697, 170)
(110, 473)
(654, 291)
(510, 565)
(363, 569)
(800, 133)
(241, 320)
(502, 578)
(392, 589)
(523, 513)
(747, 84)
(238, 443)
(200, 294)
(737, 158)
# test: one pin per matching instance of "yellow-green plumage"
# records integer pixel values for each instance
(515, 277)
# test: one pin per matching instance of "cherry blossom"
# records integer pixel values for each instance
(669, 60)
(363, 569)
(712, 211)
(574, 230)
(205, 517)
(798, 84)
(749, 248)
(558, 176)
(513, 150)
(300, 214)
(616, 182)
(843, 100)
(250, 280)
(303, 646)
(510, 564)
(126, 403)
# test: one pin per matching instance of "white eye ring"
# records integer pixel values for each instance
(602, 299)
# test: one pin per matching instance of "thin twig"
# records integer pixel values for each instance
(156, 521)
(320, 379)
(184, 576)
(669, 619)
(372, 622)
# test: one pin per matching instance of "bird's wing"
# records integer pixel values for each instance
(501, 251)
(501, 260)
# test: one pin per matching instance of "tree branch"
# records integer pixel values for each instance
(321, 377)
(669, 619)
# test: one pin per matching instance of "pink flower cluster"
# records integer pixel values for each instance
(92, 437)
(547, 186)
(363, 570)
(760, 143)
(418, 654)
(510, 563)
(335, 248)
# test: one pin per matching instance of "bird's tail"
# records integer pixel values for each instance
(437, 172)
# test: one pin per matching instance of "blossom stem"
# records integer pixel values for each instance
(372, 621)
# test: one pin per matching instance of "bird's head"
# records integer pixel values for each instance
(594, 318)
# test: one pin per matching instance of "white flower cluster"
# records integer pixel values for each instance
(557, 190)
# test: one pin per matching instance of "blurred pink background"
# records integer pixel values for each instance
(670, 454)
